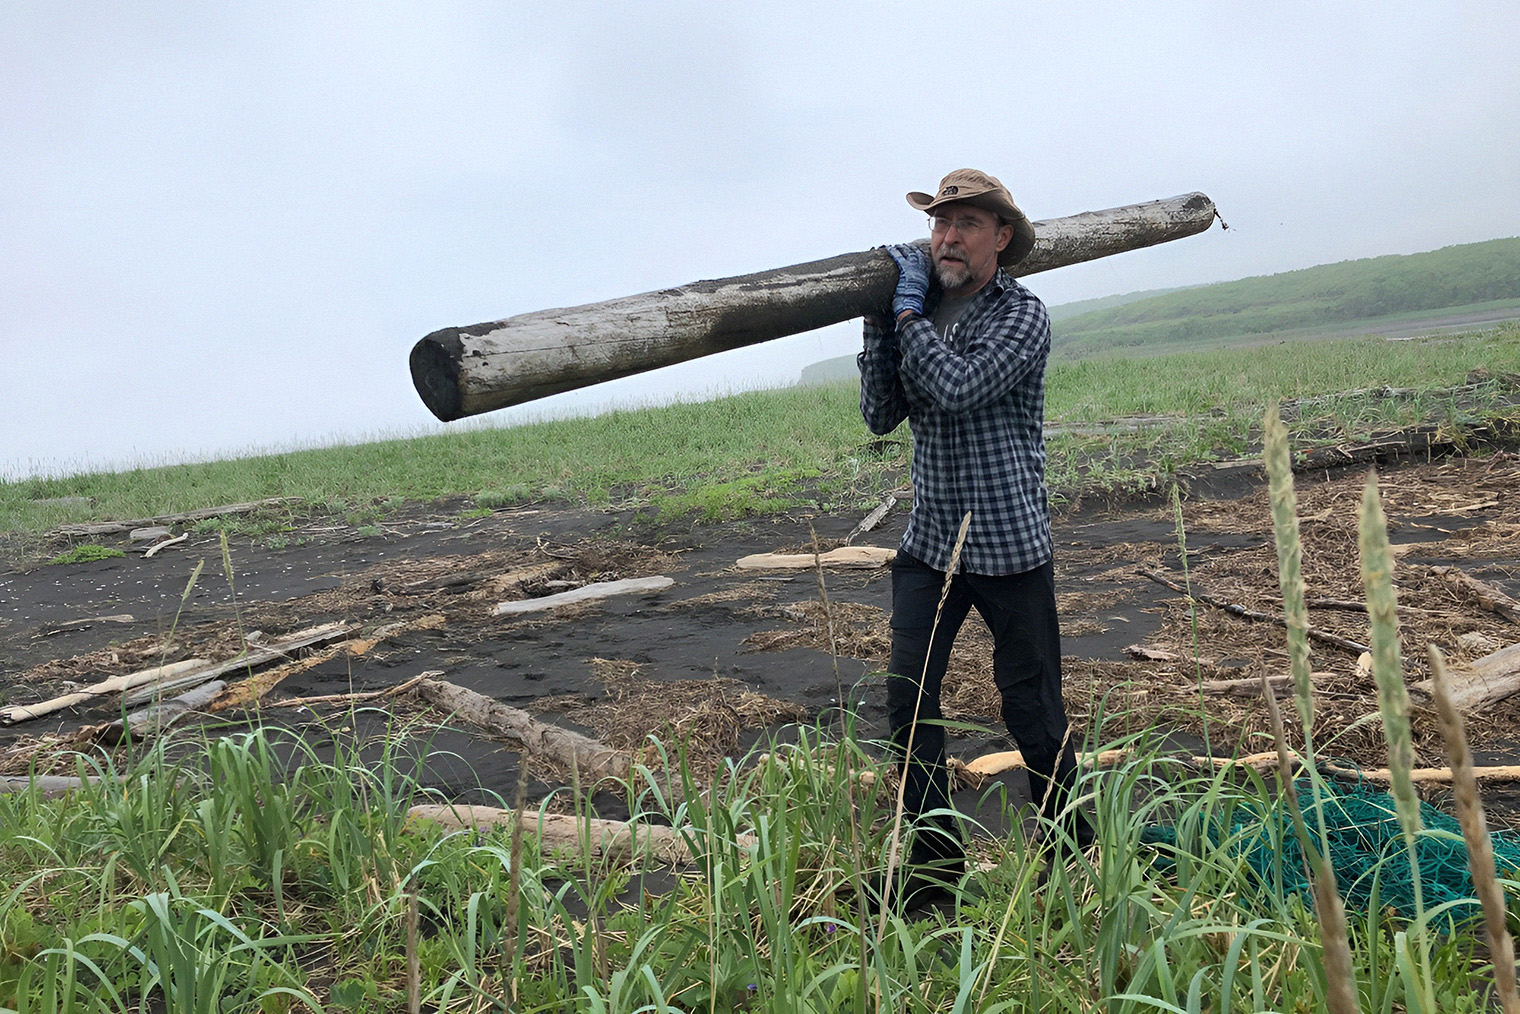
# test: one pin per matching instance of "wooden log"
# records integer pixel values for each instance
(1489, 596)
(463, 371)
(863, 557)
(563, 747)
(1438, 776)
(116, 527)
(48, 785)
(620, 840)
(153, 719)
(585, 593)
(1481, 682)
(114, 685)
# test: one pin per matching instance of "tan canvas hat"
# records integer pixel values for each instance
(983, 191)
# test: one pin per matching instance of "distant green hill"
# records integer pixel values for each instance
(1318, 297)
(1074, 309)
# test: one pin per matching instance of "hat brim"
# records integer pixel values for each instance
(1023, 230)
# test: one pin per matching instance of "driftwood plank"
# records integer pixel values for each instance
(461, 371)
(585, 593)
(114, 685)
(863, 557)
(563, 747)
(614, 839)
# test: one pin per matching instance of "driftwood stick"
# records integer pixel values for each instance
(1489, 596)
(1315, 634)
(614, 839)
(563, 747)
(359, 698)
(461, 371)
(872, 519)
(114, 685)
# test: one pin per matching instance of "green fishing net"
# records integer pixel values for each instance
(1366, 849)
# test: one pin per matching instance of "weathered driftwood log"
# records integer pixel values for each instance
(151, 720)
(614, 839)
(859, 557)
(1482, 681)
(462, 371)
(585, 593)
(568, 749)
(114, 685)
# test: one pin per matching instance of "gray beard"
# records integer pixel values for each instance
(952, 277)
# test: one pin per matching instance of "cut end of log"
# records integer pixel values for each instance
(435, 373)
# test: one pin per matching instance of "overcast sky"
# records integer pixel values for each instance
(223, 225)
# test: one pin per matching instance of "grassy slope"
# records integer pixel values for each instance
(1323, 296)
(767, 450)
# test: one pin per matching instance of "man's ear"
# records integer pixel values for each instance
(1005, 236)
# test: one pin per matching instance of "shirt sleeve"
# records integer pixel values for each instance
(997, 356)
(883, 403)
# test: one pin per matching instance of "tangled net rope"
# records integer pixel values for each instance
(1366, 850)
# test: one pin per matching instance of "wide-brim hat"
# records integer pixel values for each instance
(977, 188)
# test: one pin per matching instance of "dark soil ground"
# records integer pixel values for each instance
(726, 656)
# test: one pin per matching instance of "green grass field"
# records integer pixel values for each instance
(772, 450)
(1321, 298)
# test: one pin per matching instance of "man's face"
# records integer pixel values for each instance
(964, 242)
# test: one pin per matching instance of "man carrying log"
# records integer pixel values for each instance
(962, 358)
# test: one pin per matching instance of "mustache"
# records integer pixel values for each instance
(958, 252)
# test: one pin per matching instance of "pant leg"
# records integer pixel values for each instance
(1020, 610)
(916, 590)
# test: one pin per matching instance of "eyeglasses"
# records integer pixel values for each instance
(964, 226)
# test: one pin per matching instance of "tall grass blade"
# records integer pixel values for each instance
(1290, 570)
(1480, 847)
(894, 848)
(1393, 704)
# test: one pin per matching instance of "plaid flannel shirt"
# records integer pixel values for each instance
(976, 404)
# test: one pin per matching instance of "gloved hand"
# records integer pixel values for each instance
(912, 278)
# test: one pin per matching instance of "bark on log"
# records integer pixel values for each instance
(616, 839)
(594, 760)
(463, 371)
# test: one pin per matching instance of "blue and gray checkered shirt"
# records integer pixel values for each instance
(976, 404)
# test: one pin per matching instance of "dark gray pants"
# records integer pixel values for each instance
(1020, 610)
